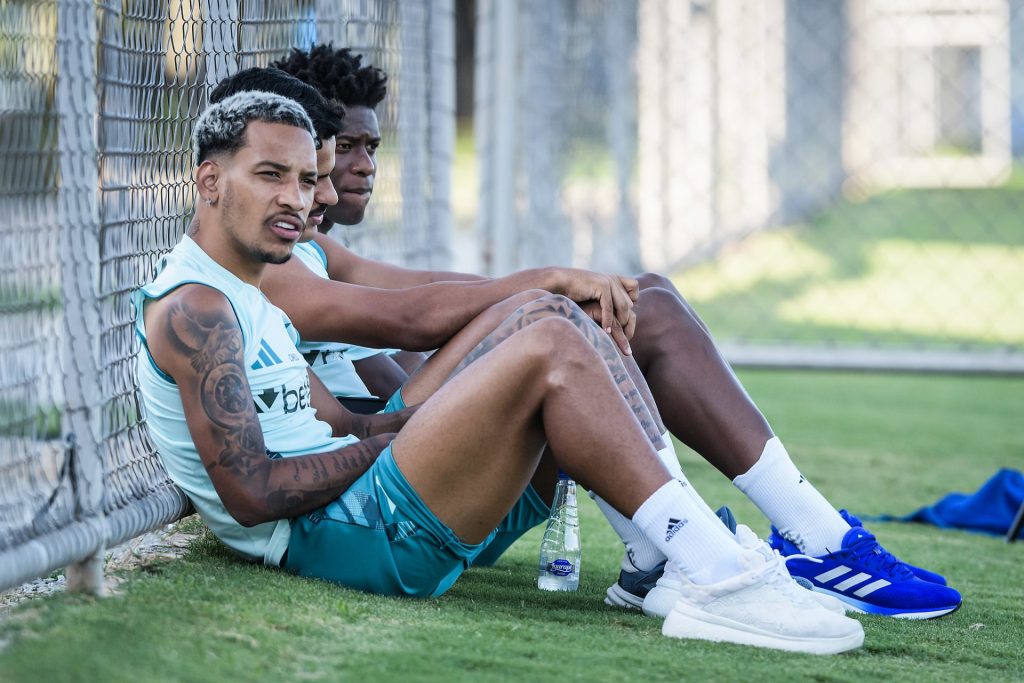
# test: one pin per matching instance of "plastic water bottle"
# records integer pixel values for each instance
(559, 568)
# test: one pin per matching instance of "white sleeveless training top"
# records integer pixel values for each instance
(277, 375)
(332, 361)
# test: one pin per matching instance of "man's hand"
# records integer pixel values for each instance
(608, 299)
(620, 335)
(365, 426)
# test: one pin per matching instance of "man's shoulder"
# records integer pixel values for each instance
(192, 299)
(336, 254)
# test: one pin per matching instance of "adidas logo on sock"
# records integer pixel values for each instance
(802, 480)
(674, 525)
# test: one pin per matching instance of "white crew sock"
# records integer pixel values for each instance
(640, 552)
(791, 503)
(669, 458)
(700, 545)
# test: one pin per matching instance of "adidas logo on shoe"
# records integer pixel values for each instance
(674, 525)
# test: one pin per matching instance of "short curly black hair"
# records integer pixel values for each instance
(327, 116)
(338, 74)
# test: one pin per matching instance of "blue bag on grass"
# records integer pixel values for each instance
(990, 510)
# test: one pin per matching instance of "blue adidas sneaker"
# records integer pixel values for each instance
(919, 572)
(868, 578)
(785, 548)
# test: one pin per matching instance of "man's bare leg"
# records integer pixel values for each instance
(381, 374)
(702, 401)
(504, 320)
(493, 438)
(410, 361)
(471, 448)
(706, 407)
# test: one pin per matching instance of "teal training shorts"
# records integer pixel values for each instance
(395, 403)
(380, 537)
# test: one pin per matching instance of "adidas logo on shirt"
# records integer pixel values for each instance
(267, 357)
(674, 525)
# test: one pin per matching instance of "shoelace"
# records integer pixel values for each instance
(798, 556)
(777, 574)
(870, 552)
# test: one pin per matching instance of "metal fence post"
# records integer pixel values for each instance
(78, 212)
(413, 132)
(496, 98)
(619, 249)
(440, 26)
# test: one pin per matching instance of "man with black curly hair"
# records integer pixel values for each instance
(700, 399)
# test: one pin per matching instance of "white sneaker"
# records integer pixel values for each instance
(659, 600)
(781, 576)
(755, 608)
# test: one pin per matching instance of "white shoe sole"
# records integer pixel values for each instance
(615, 596)
(689, 623)
(857, 607)
(659, 602)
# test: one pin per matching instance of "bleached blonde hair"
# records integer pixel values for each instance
(221, 127)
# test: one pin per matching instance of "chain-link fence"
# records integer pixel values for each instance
(97, 103)
(830, 182)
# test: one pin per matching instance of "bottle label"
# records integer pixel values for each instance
(560, 567)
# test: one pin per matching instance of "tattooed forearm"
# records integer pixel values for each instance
(561, 307)
(301, 484)
(253, 486)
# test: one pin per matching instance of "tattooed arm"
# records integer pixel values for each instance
(194, 337)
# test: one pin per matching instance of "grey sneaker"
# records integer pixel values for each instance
(632, 587)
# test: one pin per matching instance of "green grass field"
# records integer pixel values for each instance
(873, 443)
(932, 267)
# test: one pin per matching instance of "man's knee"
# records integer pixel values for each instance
(651, 280)
(556, 337)
(661, 312)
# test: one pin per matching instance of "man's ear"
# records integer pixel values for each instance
(208, 180)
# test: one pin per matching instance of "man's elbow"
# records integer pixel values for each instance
(248, 511)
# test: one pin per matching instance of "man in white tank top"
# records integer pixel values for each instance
(407, 512)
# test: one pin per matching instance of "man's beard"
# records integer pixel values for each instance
(267, 257)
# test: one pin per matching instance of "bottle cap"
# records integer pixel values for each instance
(563, 475)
